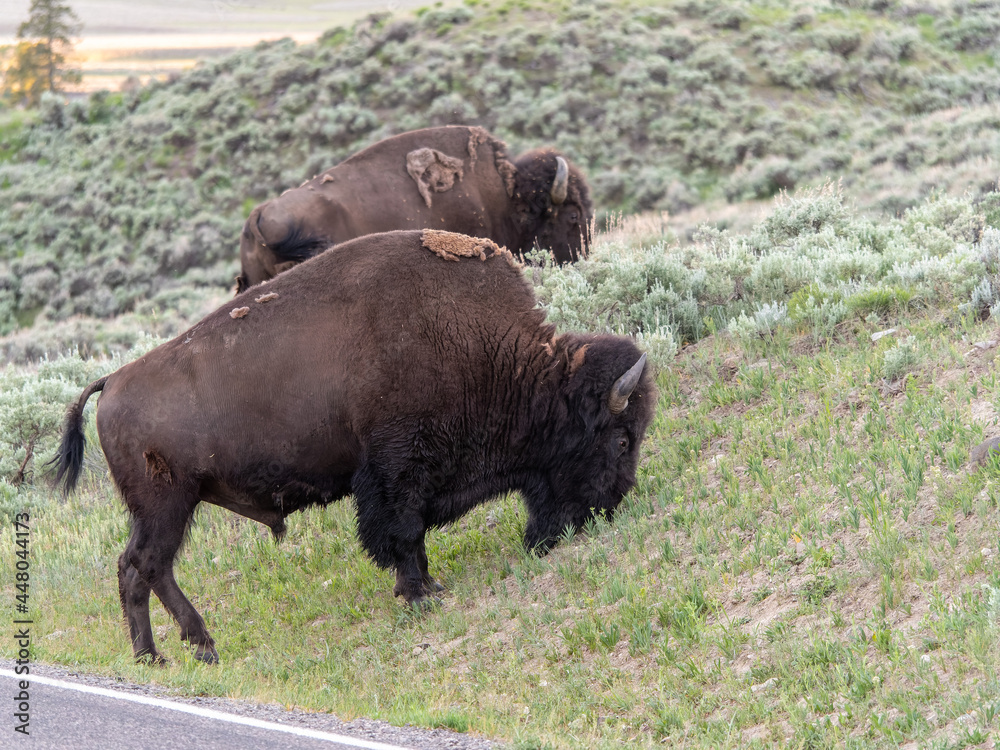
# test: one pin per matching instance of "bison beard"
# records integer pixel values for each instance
(412, 369)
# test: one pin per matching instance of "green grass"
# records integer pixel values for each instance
(14, 126)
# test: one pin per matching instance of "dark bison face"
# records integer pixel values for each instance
(566, 232)
(608, 405)
(555, 202)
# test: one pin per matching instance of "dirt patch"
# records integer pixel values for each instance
(984, 413)
(453, 246)
(433, 171)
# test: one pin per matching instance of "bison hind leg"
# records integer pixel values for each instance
(134, 595)
(147, 564)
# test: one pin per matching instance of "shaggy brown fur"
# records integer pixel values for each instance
(156, 466)
(477, 137)
(452, 246)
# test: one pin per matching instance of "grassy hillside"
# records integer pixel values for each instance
(128, 202)
(807, 560)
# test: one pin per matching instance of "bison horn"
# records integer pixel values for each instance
(623, 387)
(560, 185)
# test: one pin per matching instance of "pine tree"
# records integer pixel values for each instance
(39, 58)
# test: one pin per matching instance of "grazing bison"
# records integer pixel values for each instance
(412, 369)
(454, 178)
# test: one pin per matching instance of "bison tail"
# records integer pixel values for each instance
(69, 458)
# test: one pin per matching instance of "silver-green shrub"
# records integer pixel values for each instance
(811, 263)
(900, 359)
(33, 402)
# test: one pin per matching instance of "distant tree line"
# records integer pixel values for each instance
(38, 61)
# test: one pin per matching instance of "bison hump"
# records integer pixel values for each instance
(433, 171)
(453, 246)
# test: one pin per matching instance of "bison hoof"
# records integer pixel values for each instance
(412, 592)
(207, 654)
(151, 659)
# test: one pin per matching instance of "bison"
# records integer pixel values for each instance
(452, 178)
(412, 369)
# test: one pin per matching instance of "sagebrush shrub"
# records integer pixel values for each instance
(900, 359)
(811, 263)
(33, 403)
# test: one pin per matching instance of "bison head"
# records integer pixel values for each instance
(605, 402)
(553, 204)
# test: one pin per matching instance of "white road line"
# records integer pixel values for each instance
(207, 713)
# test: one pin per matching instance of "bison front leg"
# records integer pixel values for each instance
(413, 582)
(540, 537)
(547, 519)
(430, 585)
(391, 529)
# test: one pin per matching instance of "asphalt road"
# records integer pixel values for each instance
(65, 715)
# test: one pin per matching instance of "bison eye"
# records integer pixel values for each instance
(622, 444)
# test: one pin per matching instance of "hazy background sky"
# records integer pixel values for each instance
(125, 17)
(151, 39)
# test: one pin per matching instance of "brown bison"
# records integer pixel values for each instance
(412, 369)
(454, 178)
